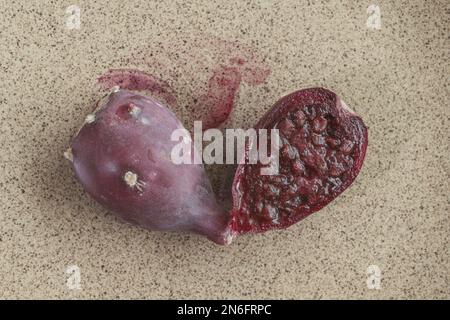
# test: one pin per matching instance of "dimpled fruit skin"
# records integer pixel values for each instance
(131, 137)
(322, 148)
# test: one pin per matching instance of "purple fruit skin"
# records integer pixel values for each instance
(166, 196)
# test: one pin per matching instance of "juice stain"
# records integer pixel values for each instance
(232, 65)
(132, 79)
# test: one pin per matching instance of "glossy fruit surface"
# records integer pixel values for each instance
(122, 157)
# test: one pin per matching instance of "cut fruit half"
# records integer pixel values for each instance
(322, 148)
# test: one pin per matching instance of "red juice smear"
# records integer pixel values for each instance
(223, 86)
(131, 79)
(217, 103)
(252, 73)
(229, 64)
(235, 63)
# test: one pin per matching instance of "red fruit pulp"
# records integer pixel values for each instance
(322, 148)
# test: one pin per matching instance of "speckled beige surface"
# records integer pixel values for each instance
(395, 216)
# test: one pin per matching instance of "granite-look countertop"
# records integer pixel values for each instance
(392, 225)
